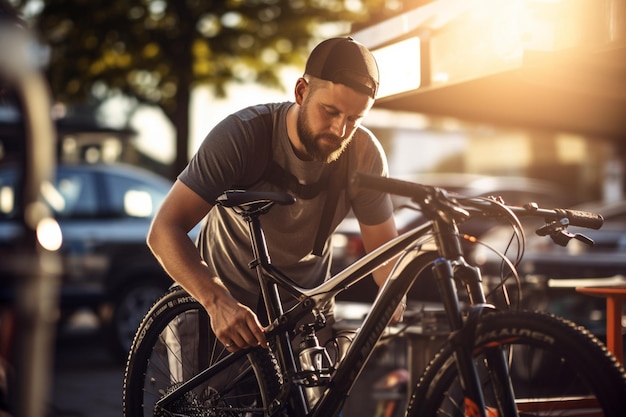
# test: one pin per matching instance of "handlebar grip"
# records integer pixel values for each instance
(392, 185)
(584, 219)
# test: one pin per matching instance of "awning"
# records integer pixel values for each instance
(581, 92)
(571, 80)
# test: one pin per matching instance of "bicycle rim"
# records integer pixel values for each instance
(173, 344)
(556, 369)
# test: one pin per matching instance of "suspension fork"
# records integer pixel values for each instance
(451, 265)
(496, 357)
(462, 348)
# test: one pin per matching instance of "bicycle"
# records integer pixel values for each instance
(496, 362)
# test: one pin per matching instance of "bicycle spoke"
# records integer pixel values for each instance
(547, 380)
(176, 347)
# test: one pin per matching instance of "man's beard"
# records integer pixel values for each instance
(315, 144)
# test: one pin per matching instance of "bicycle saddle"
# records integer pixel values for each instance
(242, 198)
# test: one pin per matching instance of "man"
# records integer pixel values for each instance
(260, 148)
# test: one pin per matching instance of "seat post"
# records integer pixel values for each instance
(257, 240)
(261, 258)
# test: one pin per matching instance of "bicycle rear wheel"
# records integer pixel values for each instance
(174, 343)
(556, 368)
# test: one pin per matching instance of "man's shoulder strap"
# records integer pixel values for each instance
(338, 182)
(335, 180)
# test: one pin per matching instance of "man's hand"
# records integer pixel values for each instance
(236, 325)
(399, 313)
(373, 237)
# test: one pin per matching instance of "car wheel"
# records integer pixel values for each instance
(123, 314)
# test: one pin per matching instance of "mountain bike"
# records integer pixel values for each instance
(497, 361)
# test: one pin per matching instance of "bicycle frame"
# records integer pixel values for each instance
(448, 261)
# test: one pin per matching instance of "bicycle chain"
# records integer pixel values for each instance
(190, 406)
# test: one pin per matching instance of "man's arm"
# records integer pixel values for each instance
(182, 209)
(374, 236)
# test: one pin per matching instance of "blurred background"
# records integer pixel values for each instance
(525, 99)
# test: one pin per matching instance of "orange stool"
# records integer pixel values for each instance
(614, 295)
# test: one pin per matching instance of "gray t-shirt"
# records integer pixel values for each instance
(235, 155)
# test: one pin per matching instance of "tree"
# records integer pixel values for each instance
(157, 51)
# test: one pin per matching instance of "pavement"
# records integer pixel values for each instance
(87, 380)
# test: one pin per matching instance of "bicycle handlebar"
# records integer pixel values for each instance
(393, 186)
(427, 194)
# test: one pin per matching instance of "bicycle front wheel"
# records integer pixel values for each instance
(173, 344)
(556, 368)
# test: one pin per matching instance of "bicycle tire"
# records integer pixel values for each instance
(552, 358)
(158, 362)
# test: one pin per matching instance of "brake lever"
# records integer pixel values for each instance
(557, 230)
(563, 237)
(585, 239)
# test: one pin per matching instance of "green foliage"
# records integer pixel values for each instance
(150, 49)
(157, 51)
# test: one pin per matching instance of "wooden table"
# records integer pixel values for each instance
(615, 296)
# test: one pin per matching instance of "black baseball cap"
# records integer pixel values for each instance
(344, 61)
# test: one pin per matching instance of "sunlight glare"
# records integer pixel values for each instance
(399, 66)
(49, 234)
(7, 200)
(138, 203)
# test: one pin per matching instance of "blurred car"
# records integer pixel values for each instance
(551, 273)
(348, 247)
(104, 212)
